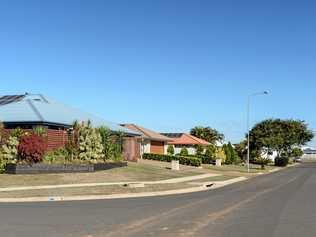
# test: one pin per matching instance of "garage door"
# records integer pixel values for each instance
(157, 147)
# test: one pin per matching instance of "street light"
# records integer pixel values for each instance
(248, 125)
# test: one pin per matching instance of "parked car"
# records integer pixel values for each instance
(297, 159)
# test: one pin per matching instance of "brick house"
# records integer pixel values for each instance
(151, 141)
(180, 140)
(30, 110)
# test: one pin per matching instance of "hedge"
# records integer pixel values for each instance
(281, 161)
(205, 159)
(183, 160)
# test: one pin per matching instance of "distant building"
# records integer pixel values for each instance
(181, 140)
(151, 141)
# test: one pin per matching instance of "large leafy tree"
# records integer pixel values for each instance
(208, 134)
(279, 135)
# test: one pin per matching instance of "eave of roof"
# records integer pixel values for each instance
(40, 109)
(187, 139)
(147, 133)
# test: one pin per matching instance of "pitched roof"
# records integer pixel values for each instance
(185, 139)
(42, 109)
(147, 133)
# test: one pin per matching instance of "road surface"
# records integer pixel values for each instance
(281, 204)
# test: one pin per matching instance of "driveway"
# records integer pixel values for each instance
(278, 204)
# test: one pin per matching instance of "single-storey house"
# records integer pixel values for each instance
(181, 140)
(30, 110)
(151, 142)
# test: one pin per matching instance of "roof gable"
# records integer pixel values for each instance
(187, 139)
(147, 133)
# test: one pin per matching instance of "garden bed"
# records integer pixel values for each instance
(42, 168)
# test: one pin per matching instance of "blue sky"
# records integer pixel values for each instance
(167, 65)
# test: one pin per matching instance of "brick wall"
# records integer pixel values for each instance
(131, 149)
(55, 138)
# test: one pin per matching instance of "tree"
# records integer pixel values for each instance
(220, 154)
(184, 151)
(297, 152)
(210, 154)
(231, 154)
(199, 150)
(241, 150)
(208, 134)
(279, 135)
(170, 150)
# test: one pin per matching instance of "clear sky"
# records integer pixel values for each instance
(165, 64)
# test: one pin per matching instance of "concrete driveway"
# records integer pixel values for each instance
(279, 204)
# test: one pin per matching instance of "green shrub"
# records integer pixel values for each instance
(18, 132)
(297, 152)
(207, 159)
(199, 150)
(281, 161)
(10, 150)
(210, 155)
(170, 150)
(90, 143)
(231, 154)
(57, 156)
(107, 142)
(184, 151)
(191, 161)
(71, 149)
(40, 131)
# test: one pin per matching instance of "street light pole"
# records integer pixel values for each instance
(248, 125)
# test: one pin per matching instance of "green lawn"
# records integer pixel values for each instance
(112, 189)
(133, 172)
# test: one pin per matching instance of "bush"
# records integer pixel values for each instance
(57, 156)
(199, 150)
(210, 155)
(32, 148)
(281, 161)
(184, 151)
(18, 132)
(297, 152)
(40, 131)
(90, 142)
(10, 150)
(220, 154)
(231, 154)
(170, 150)
(192, 161)
(207, 159)
(107, 142)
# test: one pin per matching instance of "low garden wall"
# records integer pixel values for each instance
(60, 168)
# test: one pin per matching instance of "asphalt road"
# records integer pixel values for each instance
(279, 204)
